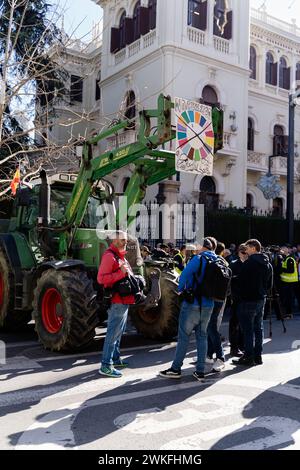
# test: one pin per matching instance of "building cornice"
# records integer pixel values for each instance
(182, 52)
(274, 39)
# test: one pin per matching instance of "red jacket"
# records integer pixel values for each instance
(110, 272)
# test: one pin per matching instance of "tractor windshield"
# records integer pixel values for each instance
(95, 211)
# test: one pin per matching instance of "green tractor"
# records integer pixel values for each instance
(50, 248)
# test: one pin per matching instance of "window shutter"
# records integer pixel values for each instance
(76, 92)
(144, 20)
(115, 40)
(285, 143)
(129, 31)
(250, 138)
(274, 73)
(276, 144)
(287, 78)
(203, 16)
(228, 28)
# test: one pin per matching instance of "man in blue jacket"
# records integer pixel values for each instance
(193, 316)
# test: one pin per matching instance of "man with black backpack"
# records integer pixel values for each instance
(195, 312)
(113, 269)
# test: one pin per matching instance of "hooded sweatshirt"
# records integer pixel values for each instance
(255, 278)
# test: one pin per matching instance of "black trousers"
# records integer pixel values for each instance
(235, 332)
(287, 296)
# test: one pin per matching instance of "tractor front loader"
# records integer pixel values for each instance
(50, 249)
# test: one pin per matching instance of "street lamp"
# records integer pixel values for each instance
(293, 101)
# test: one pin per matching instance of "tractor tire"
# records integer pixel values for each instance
(10, 319)
(65, 310)
(160, 322)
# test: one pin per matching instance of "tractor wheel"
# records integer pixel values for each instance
(64, 310)
(10, 319)
(162, 321)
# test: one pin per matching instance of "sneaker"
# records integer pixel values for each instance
(199, 376)
(244, 361)
(236, 353)
(170, 373)
(258, 360)
(110, 372)
(218, 366)
(121, 363)
(208, 360)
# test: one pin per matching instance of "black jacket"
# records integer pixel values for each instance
(255, 278)
(236, 268)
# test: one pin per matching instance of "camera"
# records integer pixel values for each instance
(188, 296)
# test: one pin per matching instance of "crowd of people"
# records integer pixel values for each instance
(256, 274)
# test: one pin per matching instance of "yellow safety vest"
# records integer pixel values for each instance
(178, 270)
(289, 277)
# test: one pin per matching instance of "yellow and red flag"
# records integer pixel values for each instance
(15, 182)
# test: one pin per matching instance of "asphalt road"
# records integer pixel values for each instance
(54, 401)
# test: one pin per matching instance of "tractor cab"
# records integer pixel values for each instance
(35, 206)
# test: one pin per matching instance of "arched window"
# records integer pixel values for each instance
(271, 70)
(152, 13)
(136, 21)
(122, 30)
(278, 207)
(208, 194)
(249, 204)
(209, 96)
(197, 14)
(250, 134)
(130, 111)
(208, 185)
(252, 63)
(298, 71)
(280, 142)
(284, 74)
(222, 19)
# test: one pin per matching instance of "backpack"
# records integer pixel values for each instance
(130, 285)
(215, 284)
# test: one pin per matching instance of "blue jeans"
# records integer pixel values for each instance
(191, 319)
(250, 315)
(117, 317)
(214, 338)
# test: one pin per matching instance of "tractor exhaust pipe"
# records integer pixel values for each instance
(44, 200)
(44, 216)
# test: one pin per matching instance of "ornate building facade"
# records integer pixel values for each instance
(213, 51)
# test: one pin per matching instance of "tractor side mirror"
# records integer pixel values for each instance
(24, 197)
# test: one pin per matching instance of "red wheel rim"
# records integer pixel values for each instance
(1, 290)
(52, 311)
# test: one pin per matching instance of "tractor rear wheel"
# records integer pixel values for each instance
(162, 321)
(10, 319)
(64, 310)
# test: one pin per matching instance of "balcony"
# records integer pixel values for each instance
(144, 42)
(196, 36)
(222, 45)
(257, 162)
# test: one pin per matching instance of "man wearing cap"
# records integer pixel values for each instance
(145, 252)
(195, 314)
(113, 268)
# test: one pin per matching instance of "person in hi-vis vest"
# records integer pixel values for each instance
(288, 281)
(180, 259)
